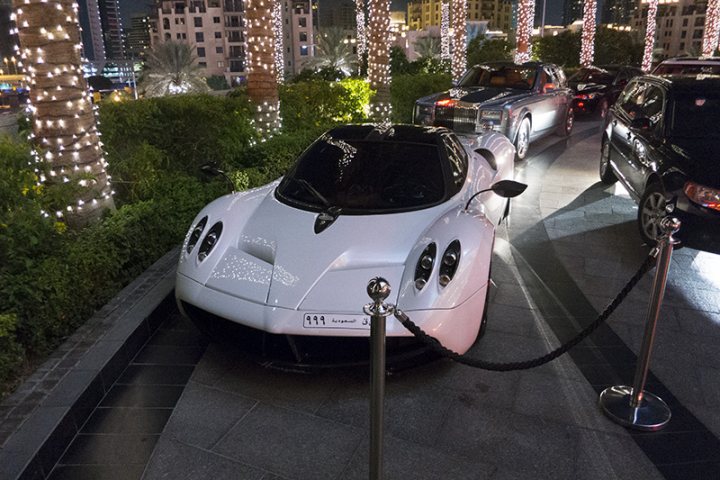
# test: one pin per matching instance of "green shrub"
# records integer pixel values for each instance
(11, 353)
(406, 89)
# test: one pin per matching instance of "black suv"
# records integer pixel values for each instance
(661, 141)
(596, 88)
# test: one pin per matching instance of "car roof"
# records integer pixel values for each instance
(532, 64)
(683, 83)
(390, 133)
(691, 60)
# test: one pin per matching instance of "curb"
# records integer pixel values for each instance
(45, 413)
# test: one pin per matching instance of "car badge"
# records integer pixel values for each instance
(326, 218)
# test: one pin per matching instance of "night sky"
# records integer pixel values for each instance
(553, 9)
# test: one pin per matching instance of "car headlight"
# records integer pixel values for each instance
(195, 233)
(450, 262)
(489, 120)
(210, 241)
(423, 114)
(586, 96)
(702, 195)
(424, 266)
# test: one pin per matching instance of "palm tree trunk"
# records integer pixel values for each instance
(379, 58)
(262, 76)
(587, 49)
(459, 38)
(64, 126)
(712, 28)
(361, 28)
(526, 17)
(445, 31)
(649, 35)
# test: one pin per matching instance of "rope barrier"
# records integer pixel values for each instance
(438, 348)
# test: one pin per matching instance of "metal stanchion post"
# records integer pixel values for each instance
(378, 289)
(633, 406)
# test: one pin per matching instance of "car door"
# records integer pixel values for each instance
(643, 156)
(627, 108)
(544, 110)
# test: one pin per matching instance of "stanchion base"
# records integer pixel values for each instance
(652, 413)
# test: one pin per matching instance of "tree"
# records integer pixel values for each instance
(587, 47)
(379, 58)
(427, 47)
(712, 28)
(525, 17)
(171, 69)
(399, 63)
(612, 47)
(64, 128)
(483, 50)
(562, 49)
(459, 39)
(262, 87)
(649, 35)
(333, 51)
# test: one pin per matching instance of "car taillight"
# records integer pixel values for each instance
(702, 195)
(195, 234)
(210, 241)
(446, 102)
(449, 264)
(424, 266)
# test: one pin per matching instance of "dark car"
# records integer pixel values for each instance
(596, 88)
(523, 102)
(661, 141)
(688, 66)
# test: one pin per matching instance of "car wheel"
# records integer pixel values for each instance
(565, 128)
(607, 176)
(603, 108)
(522, 139)
(650, 211)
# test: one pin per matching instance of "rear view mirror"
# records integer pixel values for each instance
(549, 87)
(508, 188)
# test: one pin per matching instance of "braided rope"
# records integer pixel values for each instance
(438, 348)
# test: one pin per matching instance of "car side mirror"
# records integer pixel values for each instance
(503, 188)
(642, 124)
(211, 169)
(548, 87)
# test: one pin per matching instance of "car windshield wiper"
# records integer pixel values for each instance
(312, 191)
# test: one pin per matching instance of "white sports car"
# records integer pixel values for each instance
(291, 260)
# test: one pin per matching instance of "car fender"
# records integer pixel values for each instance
(475, 233)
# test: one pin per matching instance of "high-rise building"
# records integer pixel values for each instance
(91, 31)
(427, 13)
(572, 11)
(298, 33)
(137, 37)
(112, 31)
(618, 12)
(336, 13)
(680, 26)
(7, 41)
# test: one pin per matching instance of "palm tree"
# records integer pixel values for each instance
(649, 35)
(171, 69)
(428, 47)
(459, 38)
(333, 51)
(712, 28)
(361, 27)
(64, 126)
(587, 48)
(526, 16)
(262, 87)
(379, 58)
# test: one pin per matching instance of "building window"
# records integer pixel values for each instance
(303, 36)
(221, 64)
(683, 34)
(685, 22)
(179, 36)
(302, 22)
(216, 19)
(203, 64)
(682, 45)
(218, 34)
(304, 50)
(699, 21)
(198, 21)
(179, 21)
(199, 37)
(218, 49)
(166, 23)
(698, 33)
(201, 51)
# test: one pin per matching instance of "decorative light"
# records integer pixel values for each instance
(526, 17)
(278, 32)
(262, 65)
(459, 38)
(712, 28)
(587, 48)
(379, 58)
(649, 35)
(361, 30)
(445, 31)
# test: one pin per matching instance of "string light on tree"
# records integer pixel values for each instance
(649, 35)
(278, 31)
(525, 19)
(712, 28)
(65, 134)
(361, 28)
(379, 58)
(445, 30)
(262, 65)
(459, 38)
(587, 48)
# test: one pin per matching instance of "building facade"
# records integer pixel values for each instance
(680, 26)
(336, 13)
(572, 11)
(422, 14)
(618, 12)
(137, 37)
(91, 32)
(298, 34)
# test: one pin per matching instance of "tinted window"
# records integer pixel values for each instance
(695, 115)
(458, 160)
(687, 69)
(653, 102)
(592, 75)
(632, 98)
(365, 176)
(516, 77)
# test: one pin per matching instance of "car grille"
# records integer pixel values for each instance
(458, 118)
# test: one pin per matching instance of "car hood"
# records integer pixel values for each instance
(487, 96)
(275, 257)
(699, 159)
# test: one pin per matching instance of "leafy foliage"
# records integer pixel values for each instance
(334, 51)
(483, 50)
(611, 47)
(405, 89)
(217, 82)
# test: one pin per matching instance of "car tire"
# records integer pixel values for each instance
(565, 128)
(603, 108)
(607, 176)
(651, 210)
(522, 140)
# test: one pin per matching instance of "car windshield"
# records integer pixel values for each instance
(592, 75)
(516, 77)
(696, 115)
(365, 176)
